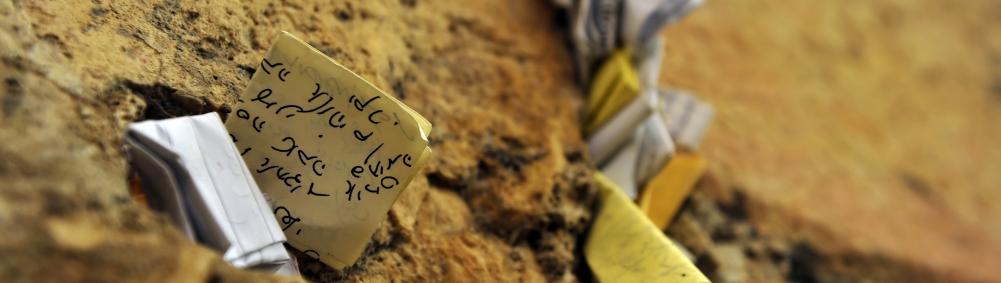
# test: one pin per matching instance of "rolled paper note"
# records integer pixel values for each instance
(624, 246)
(608, 139)
(663, 195)
(621, 169)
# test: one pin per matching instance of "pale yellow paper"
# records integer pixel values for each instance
(624, 246)
(615, 85)
(299, 94)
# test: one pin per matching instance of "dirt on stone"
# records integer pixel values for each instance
(506, 196)
(854, 140)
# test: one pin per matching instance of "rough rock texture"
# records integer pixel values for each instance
(505, 197)
(854, 141)
(64, 209)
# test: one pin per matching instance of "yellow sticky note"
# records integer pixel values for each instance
(623, 246)
(330, 150)
(615, 85)
(665, 193)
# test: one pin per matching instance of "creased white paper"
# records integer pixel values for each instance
(191, 170)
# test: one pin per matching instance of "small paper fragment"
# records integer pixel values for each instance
(614, 87)
(621, 168)
(664, 194)
(655, 149)
(330, 150)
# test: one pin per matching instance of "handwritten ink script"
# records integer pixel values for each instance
(330, 150)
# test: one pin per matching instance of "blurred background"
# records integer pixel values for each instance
(864, 133)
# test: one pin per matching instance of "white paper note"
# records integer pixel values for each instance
(687, 118)
(621, 169)
(655, 149)
(193, 172)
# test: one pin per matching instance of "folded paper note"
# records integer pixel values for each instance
(192, 171)
(330, 150)
(623, 246)
(664, 194)
(614, 87)
(687, 117)
(611, 137)
(641, 158)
